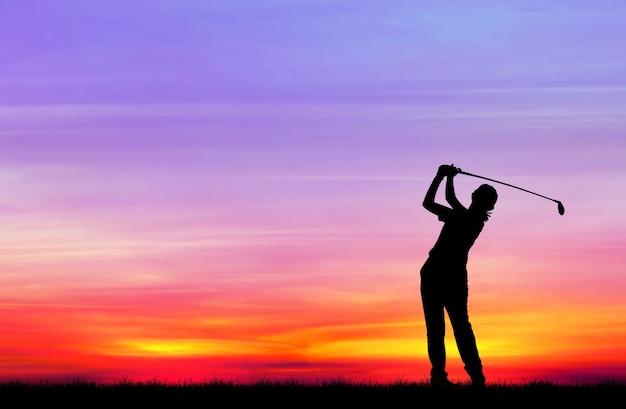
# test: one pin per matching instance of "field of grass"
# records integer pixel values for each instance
(326, 394)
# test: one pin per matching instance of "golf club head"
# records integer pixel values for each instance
(561, 208)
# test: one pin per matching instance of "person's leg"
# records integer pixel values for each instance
(465, 339)
(435, 331)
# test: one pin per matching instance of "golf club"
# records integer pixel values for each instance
(560, 205)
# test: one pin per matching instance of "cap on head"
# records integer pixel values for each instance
(484, 197)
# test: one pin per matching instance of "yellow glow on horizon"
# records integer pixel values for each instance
(179, 347)
(370, 348)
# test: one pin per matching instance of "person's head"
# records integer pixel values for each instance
(484, 199)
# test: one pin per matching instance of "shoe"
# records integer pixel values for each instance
(479, 383)
(442, 383)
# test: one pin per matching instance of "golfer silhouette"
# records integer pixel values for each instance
(444, 275)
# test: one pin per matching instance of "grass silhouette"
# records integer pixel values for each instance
(294, 393)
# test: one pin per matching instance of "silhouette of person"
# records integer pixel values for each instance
(444, 275)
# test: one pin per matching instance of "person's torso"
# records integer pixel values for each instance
(459, 232)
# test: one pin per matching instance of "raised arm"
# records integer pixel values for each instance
(429, 200)
(450, 194)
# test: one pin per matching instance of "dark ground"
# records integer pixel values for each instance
(293, 394)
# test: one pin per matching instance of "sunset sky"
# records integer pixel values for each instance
(195, 189)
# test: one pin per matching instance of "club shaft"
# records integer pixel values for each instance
(506, 184)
